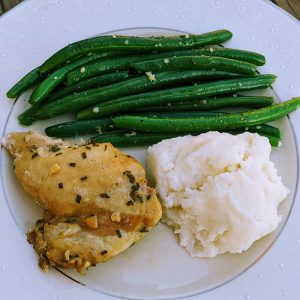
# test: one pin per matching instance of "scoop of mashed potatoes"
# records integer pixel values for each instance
(220, 192)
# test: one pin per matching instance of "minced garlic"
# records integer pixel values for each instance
(115, 217)
(54, 169)
(151, 76)
(92, 222)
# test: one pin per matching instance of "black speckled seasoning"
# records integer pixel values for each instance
(54, 148)
(34, 155)
(130, 202)
(78, 198)
(104, 195)
(130, 176)
(118, 232)
(144, 229)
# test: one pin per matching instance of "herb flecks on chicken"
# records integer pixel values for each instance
(85, 192)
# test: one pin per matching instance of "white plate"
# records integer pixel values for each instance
(156, 267)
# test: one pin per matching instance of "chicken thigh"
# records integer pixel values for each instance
(96, 199)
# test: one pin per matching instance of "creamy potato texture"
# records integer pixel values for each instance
(219, 192)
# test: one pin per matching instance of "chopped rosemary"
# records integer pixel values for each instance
(130, 202)
(88, 147)
(61, 185)
(104, 195)
(134, 189)
(54, 148)
(118, 232)
(144, 229)
(139, 197)
(78, 198)
(83, 154)
(83, 178)
(72, 164)
(130, 176)
(103, 252)
(34, 155)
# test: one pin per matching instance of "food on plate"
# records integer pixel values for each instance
(112, 81)
(95, 198)
(208, 123)
(195, 63)
(131, 86)
(219, 192)
(57, 77)
(133, 44)
(186, 93)
(141, 63)
(145, 138)
(75, 128)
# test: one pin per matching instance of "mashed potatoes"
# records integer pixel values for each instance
(220, 192)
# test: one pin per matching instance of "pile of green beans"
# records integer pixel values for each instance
(139, 90)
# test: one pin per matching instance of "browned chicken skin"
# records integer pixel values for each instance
(96, 199)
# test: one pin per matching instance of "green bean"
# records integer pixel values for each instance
(203, 90)
(127, 87)
(123, 63)
(241, 55)
(227, 122)
(57, 77)
(195, 63)
(25, 83)
(131, 139)
(263, 128)
(180, 114)
(119, 64)
(27, 117)
(109, 65)
(94, 82)
(121, 139)
(136, 44)
(75, 128)
(209, 104)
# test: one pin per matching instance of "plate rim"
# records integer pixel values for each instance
(26, 2)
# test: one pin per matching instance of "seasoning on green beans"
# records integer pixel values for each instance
(173, 95)
(75, 128)
(57, 77)
(25, 83)
(131, 139)
(207, 123)
(127, 87)
(195, 63)
(90, 83)
(208, 104)
(135, 44)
